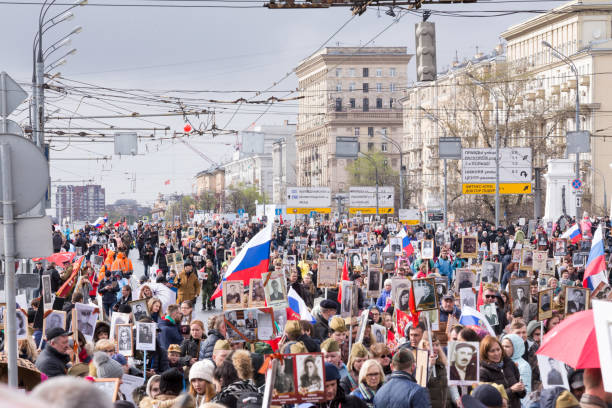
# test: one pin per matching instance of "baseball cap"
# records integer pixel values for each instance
(57, 332)
(448, 296)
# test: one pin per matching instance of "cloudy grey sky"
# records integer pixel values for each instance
(195, 48)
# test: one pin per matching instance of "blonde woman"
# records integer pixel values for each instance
(371, 378)
(27, 349)
(438, 385)
(155, 307)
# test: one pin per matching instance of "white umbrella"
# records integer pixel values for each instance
(160, 291)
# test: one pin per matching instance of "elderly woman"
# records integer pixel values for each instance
(382, 354)
(371, 378)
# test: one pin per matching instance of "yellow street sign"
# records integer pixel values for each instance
(504, 188)
(308, 210)
(370, 210)
(410, 222)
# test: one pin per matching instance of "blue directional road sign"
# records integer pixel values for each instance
(576, 184)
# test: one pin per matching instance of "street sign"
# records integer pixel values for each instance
(578, 141)
(409, 216)
(303, 200)
(23, 281)
(11, 95)
(29, 171)
(240, 211)
(31, 237)
(10, 126)
(435, 216)
(363, 197)
(370, 210)
(504, 188)
(576, 184)
(578, 201)
(278, 211)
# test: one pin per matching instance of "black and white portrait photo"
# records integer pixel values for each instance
(427, 250)
(145, 336)
(576, 299)
(354, 257)
(276, 290)
(424, 293)
(379, 333)
(552, 372)
(124, 339)
(491, 272)
(467, 297)
(22, 325)
(578, 259)
(232, 294)
(490, 313)
(310, 373)
(469, 247)
(139, 309)
(86, 316)
(464, 278)
(374, 258)
(257, 295)
(56, 318)
(118, 318)
(347, 298)
(46, 291)
(388, 259)
(402, 297)
(441, 286)
(280, 318)
(463, 362)
(374, 282)
(560, 247)
(519, 296)
(284, 382)
(527, 259)
(545, 310)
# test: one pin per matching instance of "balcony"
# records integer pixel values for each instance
(585, 80)
(355, 115)
(530, 96)
(518, 101)
(540, 94)
(555, 90)
(571, 84)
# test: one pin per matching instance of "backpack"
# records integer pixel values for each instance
(249, 399)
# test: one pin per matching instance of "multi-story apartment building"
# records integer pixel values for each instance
(536, 94)
(349, 104)
(79, 203)
(212, 181)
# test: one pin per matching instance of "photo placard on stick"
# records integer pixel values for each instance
(257, 295)
(463, 363)
(84, 319)
(424, 293)
(276, 289)
(539, 260)
(53, 319)
(576, 299)
(427, 249)
(552, 372)
(110, 386)
(232, 295)
(124, 339)
(145, 336)
(299, 378)
(491, 272)
(327, 273)
(374, 282)
(519, 294)
(545, 310)
(469, 247)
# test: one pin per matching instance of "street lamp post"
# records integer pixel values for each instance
(572, 66)
(401, 175)
(367, 156)
(488, 88)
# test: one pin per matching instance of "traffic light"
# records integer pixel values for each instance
(425, 44)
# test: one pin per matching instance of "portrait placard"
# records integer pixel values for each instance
(539, 260)
(276, 289)
(424, 293)
(545, 298)
(145, 336)
(327, 273)
(53, 319)
(463, 363)
(84, 319)
(560, 247)
(552, 372)
(124, 340)
(400, 293)
(519, 294)
(140, 310)
(491, 272)
(576, 299)
(232, 295)
(110, 386)
(469, 247)
(374, 282)
(257, 295)
(299, 378)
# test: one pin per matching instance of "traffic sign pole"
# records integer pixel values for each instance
(10, 334)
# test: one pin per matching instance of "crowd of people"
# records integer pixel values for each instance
(371, 348)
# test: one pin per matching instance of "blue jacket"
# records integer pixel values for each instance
(169, 334)
(446, 268)
(402, 391)
(382, 300)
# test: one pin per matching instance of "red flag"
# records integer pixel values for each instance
(402, 320)
(167, 182)
(479, 298)
(345, 277)
(412, 306)
(291, 315)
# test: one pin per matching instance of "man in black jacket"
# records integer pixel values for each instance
(327, 310)
(53, 359)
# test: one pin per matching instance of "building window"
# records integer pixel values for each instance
(366, 72)
(392, 72)
(371, 131)
(378, 87)
(383, 147)
(352, 72)
(391, 103)
(383, 131)
(392, 87)
(370, 147)
(338, 72)
(379, 72)
(352, 102)
(338, 87)
(378, 103)
(356, 132)
(366, 105)
(338, 104)
(351, 86)
(366, 87)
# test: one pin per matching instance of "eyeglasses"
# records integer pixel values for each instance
(386, 356)
(490, 296)
(373, 375)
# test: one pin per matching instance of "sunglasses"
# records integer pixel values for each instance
(386, 356)
(490, 296)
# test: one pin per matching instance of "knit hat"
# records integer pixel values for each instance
(532, 326)
(488, 395)
(120, 358)
(203, 370)
(222, 345)
(331, 372)
(106, 367)
(330, 345)
(337, 324)
(174, 348)
(293, 328)
(171, 382)
(328, 304)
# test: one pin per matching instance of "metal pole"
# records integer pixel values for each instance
(577, 130)
(10, 332)
(445, 193)
(376, 170)
(401, 178)
(496, 162)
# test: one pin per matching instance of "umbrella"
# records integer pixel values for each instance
(160, 291)
(573, 341)
(27, 373)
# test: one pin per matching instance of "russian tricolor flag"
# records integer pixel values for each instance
(251, 262)
(406, 242)
(594, 272)
(99, 223)
(573, 234)
(297, 305)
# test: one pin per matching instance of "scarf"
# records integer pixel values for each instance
(368, 394)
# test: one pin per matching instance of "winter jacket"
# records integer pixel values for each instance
(438, 387)
(190, 349)
(444, 314)
(148, 256)
(229, 395)
(52, 363)
(523, 366)
(445, 267)
(189, 287)
(321, 328)
(206, 349)
(108, 295)
(311, 345)
(122, 265)
(342, 400)
(401, 391)
(507, 376)
(169, 333)
(165, 401)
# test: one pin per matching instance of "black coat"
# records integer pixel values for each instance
(52, 363)
(508, 375)
(209, 343)
(321, 328)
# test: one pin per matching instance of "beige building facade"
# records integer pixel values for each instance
(536, 94)
(350, 103)
(212, 181)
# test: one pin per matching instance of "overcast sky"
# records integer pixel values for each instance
(227, 49)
